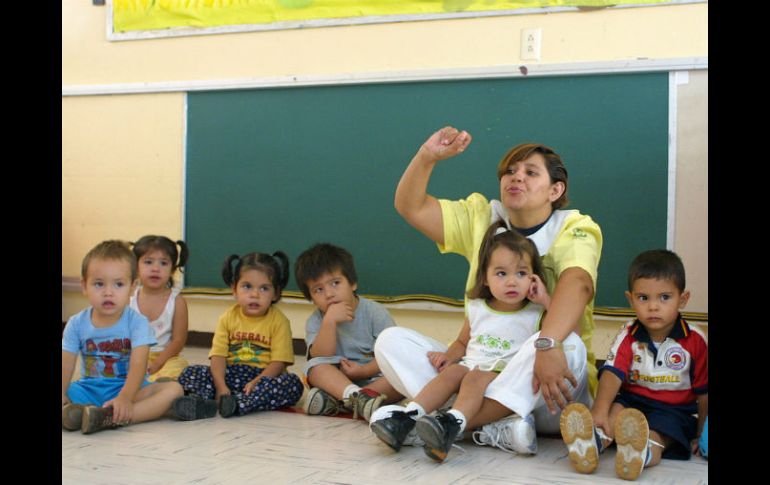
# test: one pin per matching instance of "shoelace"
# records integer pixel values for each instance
(448, 418)
(499, 440)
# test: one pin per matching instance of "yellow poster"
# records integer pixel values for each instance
(144, 15)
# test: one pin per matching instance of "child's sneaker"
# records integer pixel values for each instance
(439, 433)
(72, 416)
(632, 435)
(188, 408)
(320, 403)
(364, 402)
(583, 440)
(227, 405)
(395, 430)
(513, 434)
(96, 418)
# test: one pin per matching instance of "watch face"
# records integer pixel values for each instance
(543, 343)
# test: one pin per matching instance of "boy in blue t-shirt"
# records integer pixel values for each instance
(114, 342)
(340, 336)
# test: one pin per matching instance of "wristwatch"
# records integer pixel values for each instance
(545, 343)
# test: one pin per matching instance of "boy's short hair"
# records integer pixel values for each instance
(659, 264)
(321, 259)
(112, 249)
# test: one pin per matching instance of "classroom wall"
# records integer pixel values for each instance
(134, 144)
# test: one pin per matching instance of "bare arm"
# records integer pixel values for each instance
(218, 364)
(412, 201)
(609, 385)
(123, 404)
(325, 343)
(178, 335)
(456, 351)
(572, 293)
(68, 361)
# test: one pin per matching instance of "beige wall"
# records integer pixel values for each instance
(122, 155)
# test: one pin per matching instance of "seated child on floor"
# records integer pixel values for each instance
(653, 382)
(340, 336)
(114, 342)
(251, 349)
(505, 308)
(160, 301)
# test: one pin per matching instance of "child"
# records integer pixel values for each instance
(251, 348)
(340, 336)
(114, 342)
(655, 373)
(504, 309)
(158, 300)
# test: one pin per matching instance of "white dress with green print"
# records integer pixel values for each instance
(497, 336)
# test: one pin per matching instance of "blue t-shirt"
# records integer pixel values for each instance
(106, 352)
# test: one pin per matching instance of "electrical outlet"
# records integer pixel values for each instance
(530, 44)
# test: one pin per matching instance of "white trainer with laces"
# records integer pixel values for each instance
(513, 434)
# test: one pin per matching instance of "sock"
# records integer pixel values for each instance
(413, 406)
(457, 414)
(350, 390)
(649, 454)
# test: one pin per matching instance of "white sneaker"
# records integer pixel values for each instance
(632, 436)
(513, 434)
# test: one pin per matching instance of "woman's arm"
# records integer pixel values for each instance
(573, 292)
(412, 201)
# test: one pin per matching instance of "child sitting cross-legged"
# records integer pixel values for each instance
(340, 336)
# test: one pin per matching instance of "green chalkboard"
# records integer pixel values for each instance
(284, 168)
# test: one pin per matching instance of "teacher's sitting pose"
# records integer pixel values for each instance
(553, 367)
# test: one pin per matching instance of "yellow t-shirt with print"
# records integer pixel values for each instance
(254, 341)
(569, 239)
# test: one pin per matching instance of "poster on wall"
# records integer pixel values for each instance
(141, 19)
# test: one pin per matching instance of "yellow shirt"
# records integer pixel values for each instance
(569, 239)
(254, 341)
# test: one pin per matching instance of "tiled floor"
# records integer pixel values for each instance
(282, 447)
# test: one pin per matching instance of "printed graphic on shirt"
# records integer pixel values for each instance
(244, 352)
(494, 344)
(675, 358)
(107, 358)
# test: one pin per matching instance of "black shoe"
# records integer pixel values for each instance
(393, 430)
(227, 405)
(188, 408)
(438, 433)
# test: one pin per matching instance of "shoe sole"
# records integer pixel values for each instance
(577, 430)
(72, 417)
(190, 409)
(227, 405)
(385, 435)
(432, 434)
(631, 435)
(315, 403)
(92, 421)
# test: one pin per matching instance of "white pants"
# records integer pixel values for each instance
(401, 354)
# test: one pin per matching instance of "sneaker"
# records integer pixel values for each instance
(513, 434)
(96, 418)
(227, 405)
(583, 440)
(364, 402)
(632, 436)
(439, 433)
(188, 408)
(395, 429)
(72, 416)
(320, 403)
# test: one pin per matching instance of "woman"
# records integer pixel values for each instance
(533, 188)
